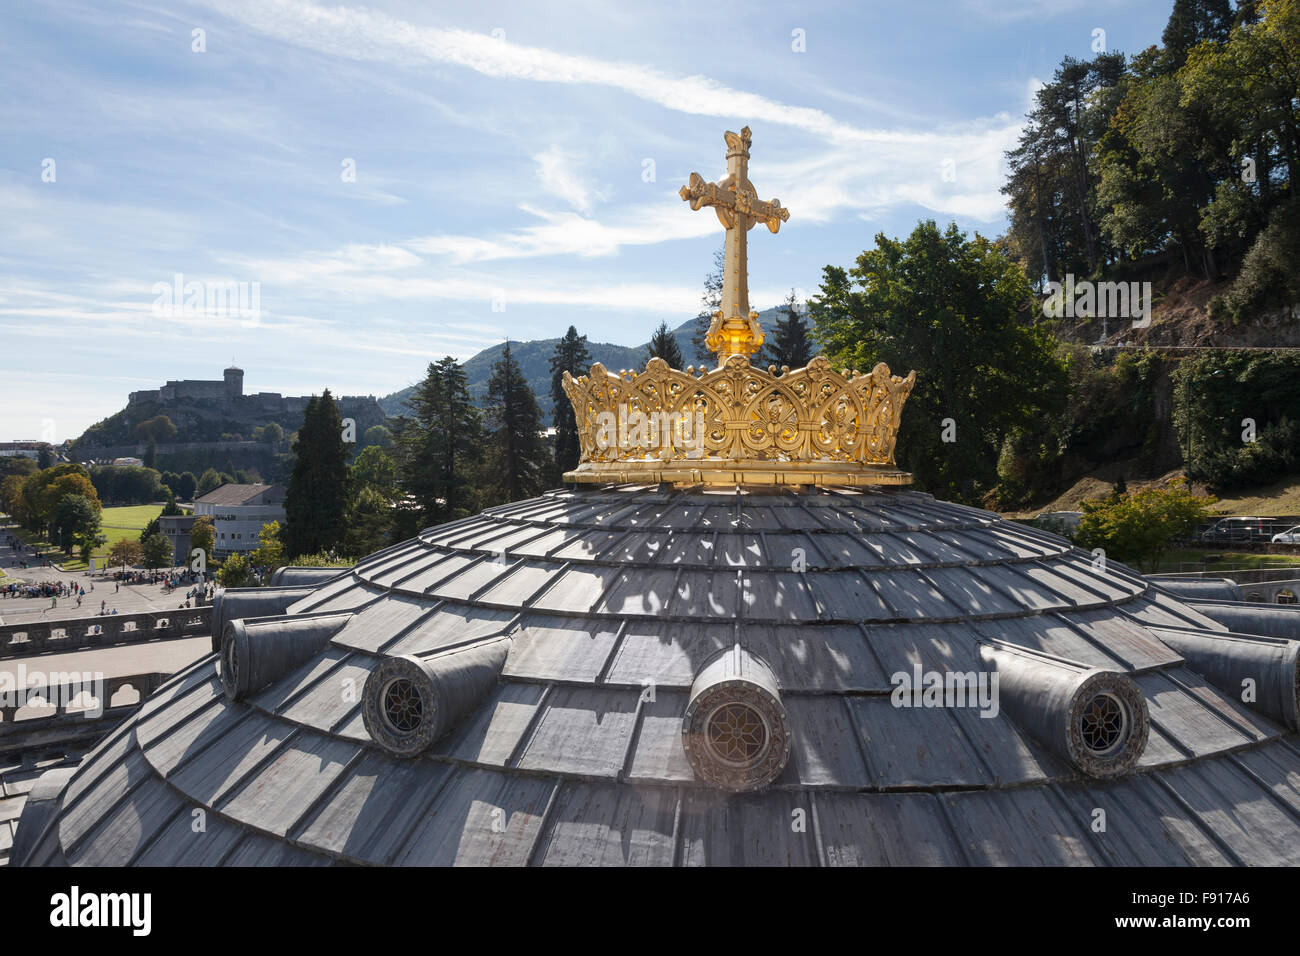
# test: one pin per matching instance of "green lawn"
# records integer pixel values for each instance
(1236, 560)
(116, 523)
(131, 517)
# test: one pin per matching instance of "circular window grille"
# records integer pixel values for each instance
(737, 734)
(402, 707)
(1103, 724)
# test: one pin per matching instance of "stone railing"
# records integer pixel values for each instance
(90, 699)
(75, 634)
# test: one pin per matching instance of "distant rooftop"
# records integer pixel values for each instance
(233, 494)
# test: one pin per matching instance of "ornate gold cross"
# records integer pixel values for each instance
(735, 329)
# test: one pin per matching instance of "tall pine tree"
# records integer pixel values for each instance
(317, 498)
(710, 302)
(788, 344)
(663, 344)
(519, 459)
(439, 445)
(570, 356)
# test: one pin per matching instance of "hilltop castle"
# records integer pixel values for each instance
(228, 394)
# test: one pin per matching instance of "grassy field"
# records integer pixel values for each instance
(1234, 560)
(127, 522)
(117, 523)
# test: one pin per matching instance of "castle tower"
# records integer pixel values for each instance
(234, 384)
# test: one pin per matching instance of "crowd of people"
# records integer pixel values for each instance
(200, 590)
(46, 589)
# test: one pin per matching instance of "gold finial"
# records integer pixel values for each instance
(735, 329)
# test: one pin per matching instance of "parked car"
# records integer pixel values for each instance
(1238, 529)
(1288, 537)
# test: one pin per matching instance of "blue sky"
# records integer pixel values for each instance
(502, 156)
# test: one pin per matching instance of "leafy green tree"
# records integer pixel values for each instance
(788, 345)
(185, 486)
(439, 445)
(171, 509)
(156, 551)
(43, 490)
(370, 523)
(270, 547)
(124, 553)
(519, 458)
(209, 481)
(317, 498)
(1137, 528)
(150, 529)
(156, 430)
(76, 521)
(270, 433)
(663, 344)
(570, 356)
(373, 468)
(235, 572)
(11, 495)
(377, 435)
(955, 310)
(203, 535)
(710, 302)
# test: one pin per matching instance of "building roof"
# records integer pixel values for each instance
(234, 494)
(595, 614)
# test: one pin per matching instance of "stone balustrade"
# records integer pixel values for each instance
(75, 634)
(90, 698)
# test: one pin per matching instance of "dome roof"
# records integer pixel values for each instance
(646, 675)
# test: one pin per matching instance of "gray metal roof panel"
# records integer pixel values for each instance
(368, 816)
(582, 731)
(282, 791)
(665, 652)
(1020, 827)
(915, 746)
(181, 845)
(1244, 817)
(332, 700)
(207, 774)
(493, 733)
(567, 649)
(1194, 727)
(658, 754)
(595, 825)
(885, 829)
(746, 829)
(768, 596)
(480, 818)
(823, 740)
(452, 624)
(639, 591)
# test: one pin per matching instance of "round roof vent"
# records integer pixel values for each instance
(409, 702)
(735, 730)
(1108, 725)
(400, 709)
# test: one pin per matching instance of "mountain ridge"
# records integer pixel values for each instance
(534, 358)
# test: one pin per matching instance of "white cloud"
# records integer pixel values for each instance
(361, 33)
(558, 172)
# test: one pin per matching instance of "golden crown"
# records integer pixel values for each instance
(737, 424)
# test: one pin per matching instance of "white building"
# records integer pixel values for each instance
(238, 513)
